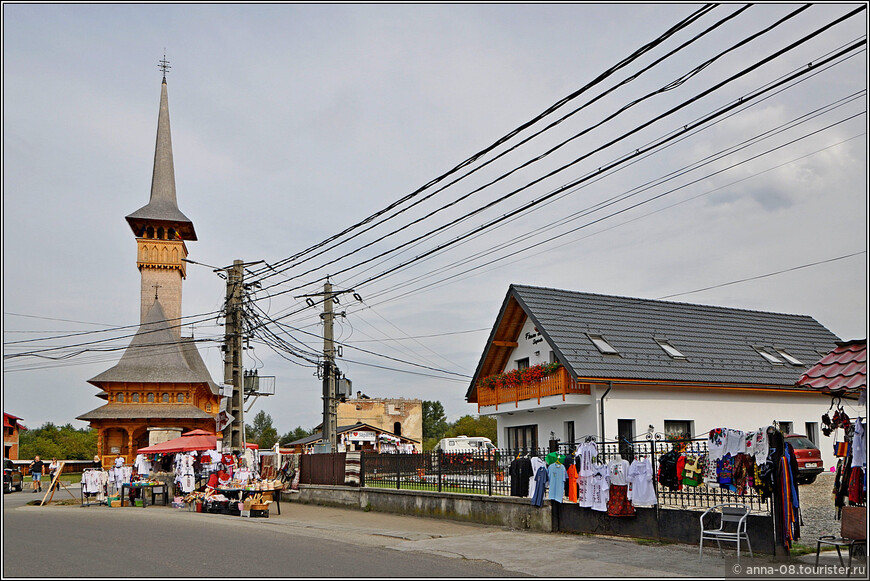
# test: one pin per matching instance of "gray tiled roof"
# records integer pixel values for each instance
(129, 411)
(717, 341)
(157, 355)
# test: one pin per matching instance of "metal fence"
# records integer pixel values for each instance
(488, 472)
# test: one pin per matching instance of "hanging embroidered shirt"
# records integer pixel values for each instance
(716, 443)
(556, 476)
(725, 470)
(599, 489)
(587, 452)
(617, 470)
(641, 491)
(762, 446)
(735, 441)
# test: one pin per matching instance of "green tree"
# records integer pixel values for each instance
(434, 423)
(262, 432)
(484, 426)
(294, 435)
(63, 443)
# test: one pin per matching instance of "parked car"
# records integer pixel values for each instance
(12, 478)
(809, 458)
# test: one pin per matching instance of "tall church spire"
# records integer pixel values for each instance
(162, 209)
(161, 229)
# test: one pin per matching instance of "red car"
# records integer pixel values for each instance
(809, 458)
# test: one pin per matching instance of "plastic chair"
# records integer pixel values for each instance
(730, 514)
(853, 533)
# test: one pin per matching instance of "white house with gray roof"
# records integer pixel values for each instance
(629, 365)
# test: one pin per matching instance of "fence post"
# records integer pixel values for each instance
(362, 468)
(440, 457)
(398, 472)
(489, 472)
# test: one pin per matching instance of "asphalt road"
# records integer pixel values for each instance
(101, 542)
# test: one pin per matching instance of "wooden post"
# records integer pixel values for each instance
(54, 483)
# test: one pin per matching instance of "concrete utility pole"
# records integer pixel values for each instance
(330, 427)
(234, 433)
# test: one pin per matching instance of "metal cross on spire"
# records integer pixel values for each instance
(164, 66)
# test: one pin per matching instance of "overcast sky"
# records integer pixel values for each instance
(291, 123)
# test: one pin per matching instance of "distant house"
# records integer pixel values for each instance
(629, 366)
(11, 428)
(358, 437)
(396, 416)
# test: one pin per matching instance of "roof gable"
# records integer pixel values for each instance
(718, 342)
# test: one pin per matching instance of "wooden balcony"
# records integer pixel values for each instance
(558, 383)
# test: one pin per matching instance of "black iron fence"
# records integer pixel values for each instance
(488, 472)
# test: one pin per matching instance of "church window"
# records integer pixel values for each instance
(150, 232)
(144, 253)
(150, 398)
(165, 398)
(174, 255)
(135, 398)
(119, 398)
(172, 233)
(208, 407)
(160, 233)
(180, 398)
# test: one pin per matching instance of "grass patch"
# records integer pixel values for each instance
(798, 549)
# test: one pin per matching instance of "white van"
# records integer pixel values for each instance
(464, 444)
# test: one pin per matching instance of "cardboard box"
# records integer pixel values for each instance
(115, 503)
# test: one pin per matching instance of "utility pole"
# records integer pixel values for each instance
(330, 427)
(234, 433)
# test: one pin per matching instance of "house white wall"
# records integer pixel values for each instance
(706, 408)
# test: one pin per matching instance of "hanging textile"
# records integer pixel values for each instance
(541, 477)
(520, 471)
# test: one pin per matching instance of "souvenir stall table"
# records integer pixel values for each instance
(157, 489)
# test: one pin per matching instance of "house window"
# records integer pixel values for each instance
(811, 430)
(789, 357)
(786, 427)
(602, 345)
(768, 355)
(523, 363)
(397, 428)
(553, 357)
(569, 433)
(678, 428)
(522, 438)
(670, 349)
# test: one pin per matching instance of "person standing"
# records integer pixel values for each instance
(52, 469)
(37, 467)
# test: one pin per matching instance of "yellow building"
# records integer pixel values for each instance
(400, 417)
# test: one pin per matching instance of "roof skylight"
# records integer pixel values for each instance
(768, 355)
(670, 349)
(602, 345)
(789, 357)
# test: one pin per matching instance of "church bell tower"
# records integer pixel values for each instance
(161, 229)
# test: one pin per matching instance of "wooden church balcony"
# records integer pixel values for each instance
(557, 383)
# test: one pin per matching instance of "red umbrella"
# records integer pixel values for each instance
(193, 440)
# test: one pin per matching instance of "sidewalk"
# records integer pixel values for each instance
(539, 554)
